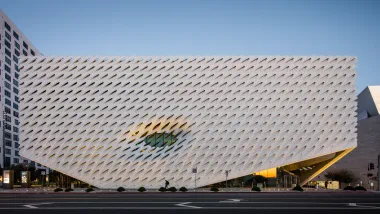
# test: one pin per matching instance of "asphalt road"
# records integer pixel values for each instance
(355, 202)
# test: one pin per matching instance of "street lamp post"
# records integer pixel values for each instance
(227, 171)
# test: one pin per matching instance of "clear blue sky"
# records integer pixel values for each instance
(205, 27)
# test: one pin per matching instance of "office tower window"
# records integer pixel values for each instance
(8, 143)
(7, 162)
(7, 110)
(7, 135)
(17, 145)
(17, 52)
(7, 60)
(7, 93)
(15, 129)
(24, 52)
(7, 26)
(32, 52)
(16, 68)
(7, 85)
(7, 44)
(8, 151)
(7, 68)
(15, 137)
(15, 113)
(15, 35)
(8, 118)
(32, 163)
(25, 161)
(15, 90)
(25, 45)
(15, 58)
(17, 153)
(17, 99)
(17, 45)
(16, 74)
(7, 52)
(8, 36)
(8, 127)
(15, 106)
(8, 77)
(17, 122)
(15, 82)
(8, 102)
(15, 160)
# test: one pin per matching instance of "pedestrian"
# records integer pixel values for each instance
(166, 184)
(326, 183)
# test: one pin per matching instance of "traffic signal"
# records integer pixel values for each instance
(371, 166)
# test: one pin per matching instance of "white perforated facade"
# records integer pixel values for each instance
(89, 117)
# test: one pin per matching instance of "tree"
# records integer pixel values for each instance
(342, 175)
(18, 168)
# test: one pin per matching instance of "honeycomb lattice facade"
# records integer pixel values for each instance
(98, 118)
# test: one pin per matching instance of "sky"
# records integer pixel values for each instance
(205, 27)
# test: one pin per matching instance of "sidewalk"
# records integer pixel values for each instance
(49, 190)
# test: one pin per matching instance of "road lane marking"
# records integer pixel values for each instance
(192, 207)
(30, 206)
(231, 200)
(356, 205)
(33, 206)
(185, 204)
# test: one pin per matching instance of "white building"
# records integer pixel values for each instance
(13, 44)
(138, 121)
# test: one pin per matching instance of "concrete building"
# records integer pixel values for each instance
(13, 45)
(368, 149)
(138, 121)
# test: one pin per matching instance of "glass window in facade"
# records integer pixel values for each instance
(7, 26)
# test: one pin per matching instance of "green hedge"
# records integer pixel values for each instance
(214, 189)
(120, 189)
(68, 190)
(141, 189)
(360, 188)
(350, 188)
(183, 189)
(90, 189)
(256, 189)
(58, 190)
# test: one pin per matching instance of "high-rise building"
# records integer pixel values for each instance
(13, 44)
(138, 121)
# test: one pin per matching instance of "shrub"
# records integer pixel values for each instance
(256, 189)
(172, 189)
(360, 188)
(120, 189)
(350, 188)
(141, 189)
(214, 189)
(162, 189)
(90, 189)
(298, 188)
(58, 190)
(68, 190)
(183, 189)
